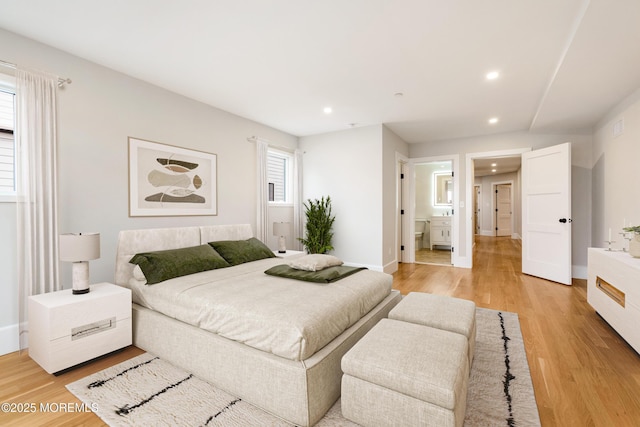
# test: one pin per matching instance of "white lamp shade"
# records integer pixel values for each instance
(77, 247)
(281, 228)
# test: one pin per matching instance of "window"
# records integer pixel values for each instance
(279, 170)
(7, 143)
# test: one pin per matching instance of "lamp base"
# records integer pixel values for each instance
(282, 245)
(80, 272)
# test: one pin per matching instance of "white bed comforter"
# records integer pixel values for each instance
(289, 318)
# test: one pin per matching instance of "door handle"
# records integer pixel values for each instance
(565, 220)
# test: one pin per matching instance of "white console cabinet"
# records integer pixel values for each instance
(613, 290)
(67, 329)
(440, 231)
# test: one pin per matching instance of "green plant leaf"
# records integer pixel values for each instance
(319, 224)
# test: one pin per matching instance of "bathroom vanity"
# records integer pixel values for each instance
(440, 231)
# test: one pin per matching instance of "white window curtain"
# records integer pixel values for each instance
(36, 187)
(298, 207)
(262, 214)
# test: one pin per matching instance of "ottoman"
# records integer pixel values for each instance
(440, 312)
(404, 374)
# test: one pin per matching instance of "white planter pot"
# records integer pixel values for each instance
(634, 246)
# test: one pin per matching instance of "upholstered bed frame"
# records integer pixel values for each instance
(300, 392)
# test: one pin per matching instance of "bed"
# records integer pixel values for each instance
(274, 342)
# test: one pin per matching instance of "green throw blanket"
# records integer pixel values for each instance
(328, 275)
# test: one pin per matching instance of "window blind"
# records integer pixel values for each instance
(7, 145)
(277, 175)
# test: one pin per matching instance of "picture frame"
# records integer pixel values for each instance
(167, 180)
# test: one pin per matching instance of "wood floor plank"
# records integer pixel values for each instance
(583, 373)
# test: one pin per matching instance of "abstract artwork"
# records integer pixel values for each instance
(165, 180)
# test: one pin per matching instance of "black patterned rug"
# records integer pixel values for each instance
(146, 390)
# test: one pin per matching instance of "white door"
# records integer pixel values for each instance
(546, 213)
(503, 210)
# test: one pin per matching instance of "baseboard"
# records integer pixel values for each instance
(579, 272)
(390, 268)
(516, 236)
(461, 261)
(9, 339)
(367, 266)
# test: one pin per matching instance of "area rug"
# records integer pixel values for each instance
(146, 390)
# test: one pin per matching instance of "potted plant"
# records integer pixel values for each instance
(634, 242)
(318, 226)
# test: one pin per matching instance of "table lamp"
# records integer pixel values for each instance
(80, 248)
(281, 229)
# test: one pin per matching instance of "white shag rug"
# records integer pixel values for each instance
(146, 391)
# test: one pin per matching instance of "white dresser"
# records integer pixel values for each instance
(67, 329)
(440, 231)
(613, 290)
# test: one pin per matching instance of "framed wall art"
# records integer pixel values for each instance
(165, 180)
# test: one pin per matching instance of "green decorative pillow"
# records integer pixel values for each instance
(240, 251)
(164, 265)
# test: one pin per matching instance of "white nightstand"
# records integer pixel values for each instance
(287, 254)
(67, 329)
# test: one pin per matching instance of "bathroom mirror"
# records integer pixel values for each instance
(443, 189)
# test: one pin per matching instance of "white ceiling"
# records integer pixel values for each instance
(487, 166)
(563, 64)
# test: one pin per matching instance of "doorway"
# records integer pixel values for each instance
(433, 211)
(484, 172)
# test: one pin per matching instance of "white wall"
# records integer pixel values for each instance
(357, 168)
(392, 145)
(581, 158)
(346, 166)
(616, 189)
(97, 112)
(425, 207)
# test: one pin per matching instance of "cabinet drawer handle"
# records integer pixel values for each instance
(611, 291)
(92, 328)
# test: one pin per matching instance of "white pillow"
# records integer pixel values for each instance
(138, 274)
(314, 262)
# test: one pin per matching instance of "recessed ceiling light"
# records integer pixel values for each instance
(493, 120)
(328, 110)
(493, 75)
(493, 170)
(398, 94)
(493, 165)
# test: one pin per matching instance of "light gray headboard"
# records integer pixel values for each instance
(131, 242)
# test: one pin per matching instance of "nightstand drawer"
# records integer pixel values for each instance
(65, 352)
(99, 307)
(67, 329)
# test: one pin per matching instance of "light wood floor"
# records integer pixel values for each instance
(583, 373)
(435, 256)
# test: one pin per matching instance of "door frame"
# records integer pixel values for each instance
(494, 206)
(402, 191)
(410, 245)
(469, 181)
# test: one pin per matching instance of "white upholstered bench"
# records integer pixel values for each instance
(440, 312)
(405, 374)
